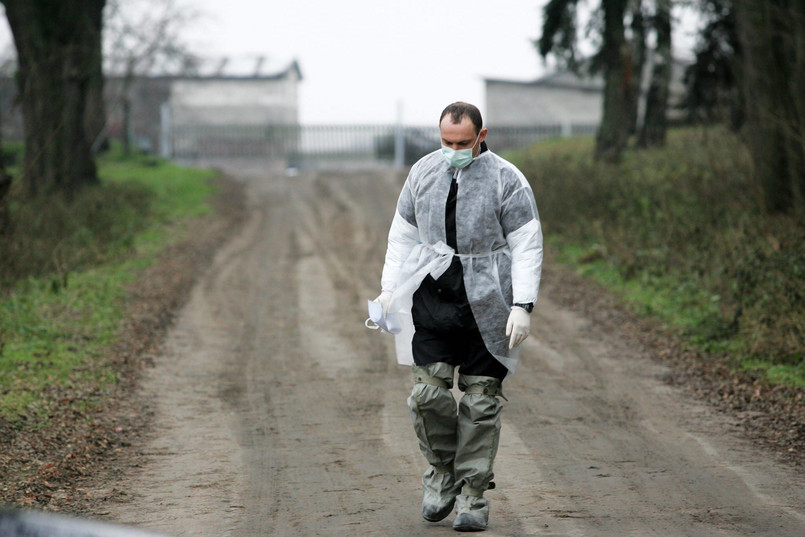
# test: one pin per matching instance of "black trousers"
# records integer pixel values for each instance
(460, 347)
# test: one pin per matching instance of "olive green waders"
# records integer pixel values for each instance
(459, 441)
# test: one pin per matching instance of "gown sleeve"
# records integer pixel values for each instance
(403, 236)
(523, 231)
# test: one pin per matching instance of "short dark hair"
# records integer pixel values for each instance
(459, 110)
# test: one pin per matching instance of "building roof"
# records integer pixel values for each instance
(243, 67)
(567, 79)
(564, 79)
(256, 67)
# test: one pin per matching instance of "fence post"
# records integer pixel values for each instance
(165, 146)
(399, 139)
(567, 128)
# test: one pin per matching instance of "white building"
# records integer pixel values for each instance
(230, 115)
(174, 113)
(220, 99)
(560, 98)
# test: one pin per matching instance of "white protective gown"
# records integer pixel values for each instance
(499, 240)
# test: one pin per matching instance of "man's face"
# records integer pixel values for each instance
(461, 135)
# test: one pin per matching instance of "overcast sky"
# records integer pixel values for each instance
(362, 60)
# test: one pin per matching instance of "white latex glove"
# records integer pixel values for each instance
(384, 300)
(518, 326)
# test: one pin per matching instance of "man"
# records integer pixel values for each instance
(461, 277)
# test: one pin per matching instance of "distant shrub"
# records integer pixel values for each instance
(11, 153)
(56, 236)
(686, 217)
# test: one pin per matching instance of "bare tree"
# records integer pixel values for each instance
(714, 91)
(639, 29)
(5, 178)
(5, 189)
(653, 130)
(619, 83)
(617, 59)
(772, 36)
(144, 37)
(59, 53)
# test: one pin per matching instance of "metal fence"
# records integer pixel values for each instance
(301, 145)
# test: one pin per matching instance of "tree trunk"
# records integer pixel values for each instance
(639, 54)
(5, 190)
(613, 132)
(654, 124)
(59, 53)
(128, 124)
(771, 33)
(95, 124)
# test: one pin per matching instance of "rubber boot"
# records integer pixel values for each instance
(434, 414)
(477, 444)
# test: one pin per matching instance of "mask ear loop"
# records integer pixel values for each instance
(374, 326)
(472, 149)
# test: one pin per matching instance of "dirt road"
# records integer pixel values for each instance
(277, 413)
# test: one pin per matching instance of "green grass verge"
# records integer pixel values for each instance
(679, 233)
(692, 312)
(57, 328)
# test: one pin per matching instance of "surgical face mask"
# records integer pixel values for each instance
(459, 158)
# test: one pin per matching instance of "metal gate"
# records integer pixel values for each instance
(304, 145)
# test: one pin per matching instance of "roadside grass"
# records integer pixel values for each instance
(679, 233)
(64, 274)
